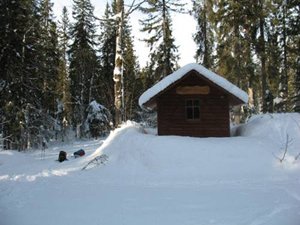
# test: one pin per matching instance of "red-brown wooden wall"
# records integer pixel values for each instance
(214, 110)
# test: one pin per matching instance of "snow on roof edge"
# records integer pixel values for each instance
(170, 79)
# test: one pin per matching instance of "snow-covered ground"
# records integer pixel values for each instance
(167, 180)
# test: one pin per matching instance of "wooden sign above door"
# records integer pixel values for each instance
(192, 90)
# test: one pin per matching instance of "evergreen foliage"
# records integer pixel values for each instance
(107, 61)
(132, 87)
(296, 106)
(204, 36)
(84, 65)
(48, 56)
(107, 50)
(28, 46)
(98, 122)
(158, 25)
(64, 109)
(58, 76)
(256, 46)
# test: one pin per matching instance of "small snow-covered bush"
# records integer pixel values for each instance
(99, 120)
(148, 118)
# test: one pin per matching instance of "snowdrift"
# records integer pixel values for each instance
(167, 180)
(275, 127)
(134, 154)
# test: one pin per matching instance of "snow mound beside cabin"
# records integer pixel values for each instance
(136, 157)
(276, 128)
(272, 125)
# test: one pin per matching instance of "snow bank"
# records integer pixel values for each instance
(128, 128)
(272, 125)
(172, 159)
(282, 130)
(275, 127)
(151, 179)
(34, 165)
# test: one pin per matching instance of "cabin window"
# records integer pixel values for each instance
(192, 109)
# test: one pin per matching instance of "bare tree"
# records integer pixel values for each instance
(288, 142)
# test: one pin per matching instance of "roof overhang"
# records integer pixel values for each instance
(236, 96)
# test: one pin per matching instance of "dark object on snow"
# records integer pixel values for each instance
(79, 153)
(62, 156)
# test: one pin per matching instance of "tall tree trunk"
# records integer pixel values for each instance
(165, 35)
(263, 57)
(285, 63)
(118, 71)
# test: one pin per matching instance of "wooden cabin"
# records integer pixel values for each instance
(193, 101)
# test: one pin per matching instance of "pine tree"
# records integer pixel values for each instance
(232, 23)
(83, 61)
(49, 57)
(108, 37)
(296, 100)
(98, 121)
(283, 88)
(131, 91)
(158, 25)
(277, 68)
(204, 36)
(19, 71)
(262, 9)
(233, 48)
(107, 59)
(10, 61)
(293, 33)
(63, 113)
(39, 78)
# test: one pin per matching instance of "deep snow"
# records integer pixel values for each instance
(171, 78)
(151, 179)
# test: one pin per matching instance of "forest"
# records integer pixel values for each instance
(79, 74)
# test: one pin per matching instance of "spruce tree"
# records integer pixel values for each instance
(202, 10)
(11, 46)
(293, 33)
(19, 68)
(277, 55)
(262, 10)
(40, 75)
(158, 25)
(231, 22)
(233, 48)
(131, 79)
(63, 113)
(110, 28)
(296, 98)
(49, 57)
(83, 61)
(107, 50)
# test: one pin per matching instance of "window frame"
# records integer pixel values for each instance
(190, 104)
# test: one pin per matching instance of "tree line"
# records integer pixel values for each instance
(57, 76)
(256, 45)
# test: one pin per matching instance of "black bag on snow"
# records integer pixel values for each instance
(79, 153)
(62, 156)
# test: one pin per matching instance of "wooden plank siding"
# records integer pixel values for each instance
(214, 111)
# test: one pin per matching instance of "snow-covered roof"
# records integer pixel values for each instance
(170, 79)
